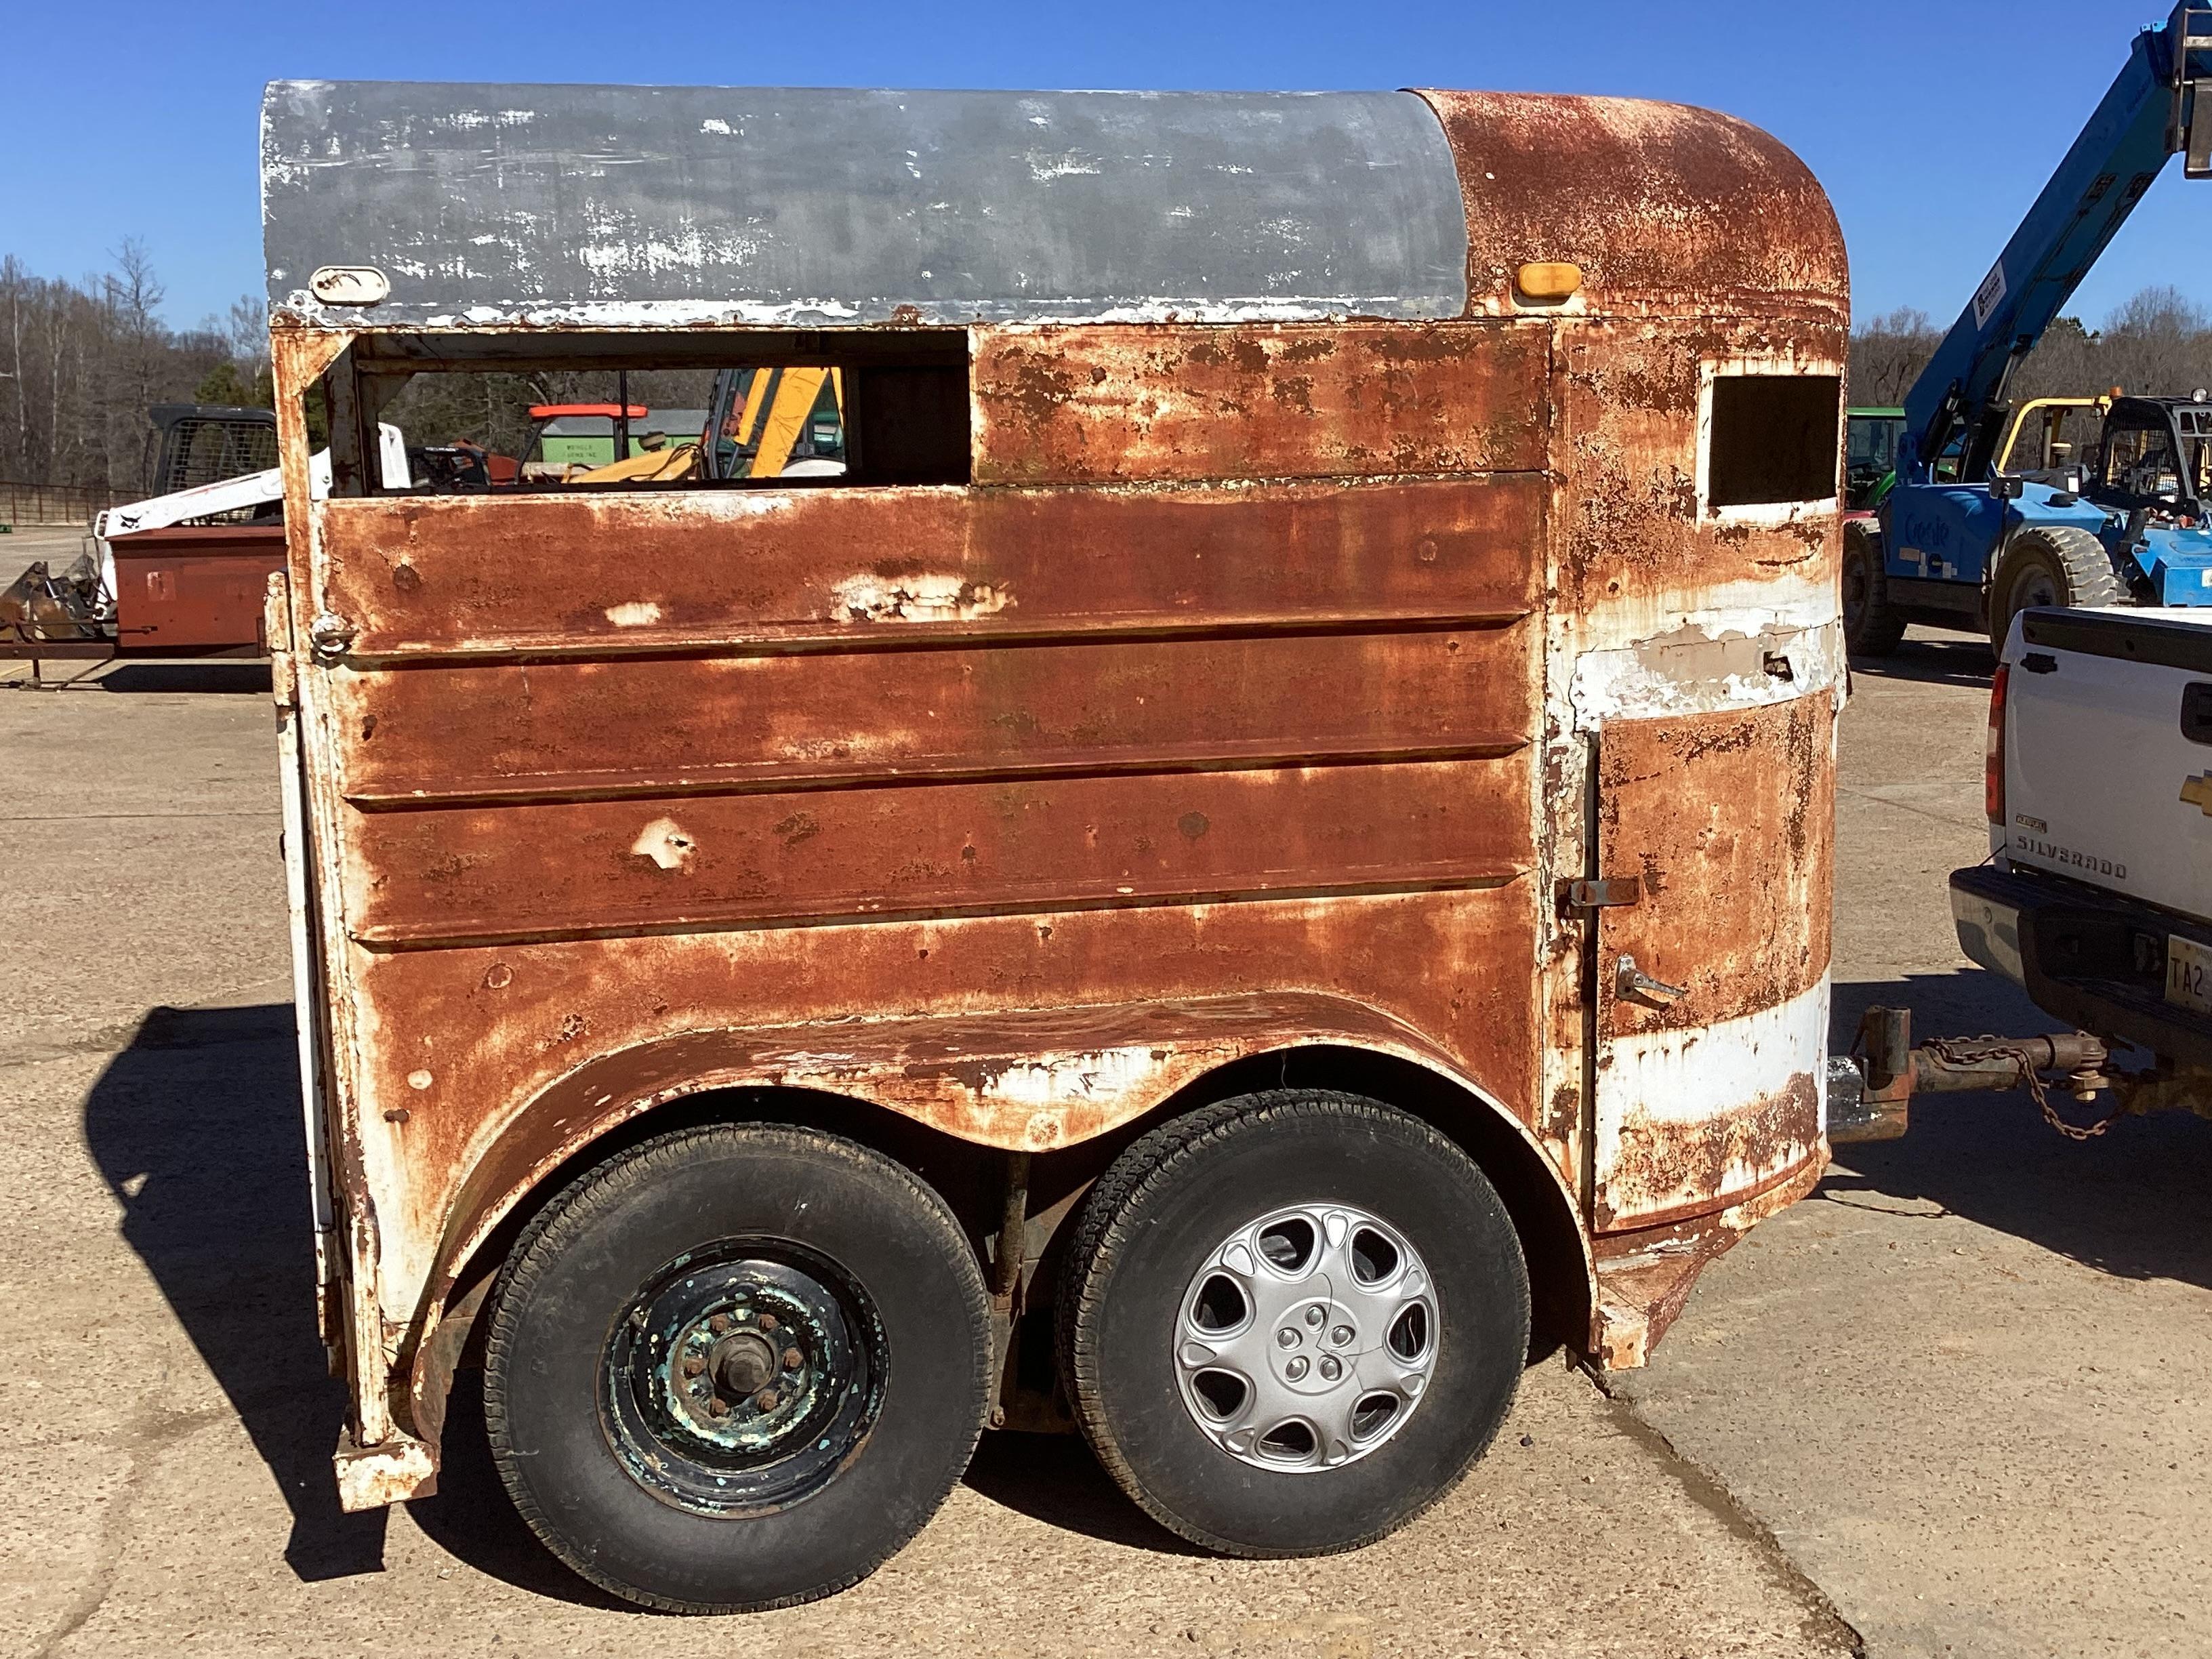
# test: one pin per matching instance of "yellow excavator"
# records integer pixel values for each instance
(761, 423)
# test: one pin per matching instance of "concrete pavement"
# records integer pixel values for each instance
(1948, 1395)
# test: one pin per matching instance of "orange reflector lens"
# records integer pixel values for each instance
(1549, 279)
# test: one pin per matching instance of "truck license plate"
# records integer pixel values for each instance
(2188, 973)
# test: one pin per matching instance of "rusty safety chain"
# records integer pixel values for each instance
(1966, 1051)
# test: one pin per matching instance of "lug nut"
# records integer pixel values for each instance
(1287, 1338)
(694, 1365)
(1341, 1335)
(718, 1324)
(1314, 1316)
(793, 1359)
(765, 1399)
(1296, 1368)
(1330, 1368)
(767, 1321)
(718, 1406)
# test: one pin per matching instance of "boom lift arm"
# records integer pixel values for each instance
(2149, 114)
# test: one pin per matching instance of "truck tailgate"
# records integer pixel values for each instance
(2108, 751)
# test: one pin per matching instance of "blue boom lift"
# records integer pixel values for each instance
(1964, 541)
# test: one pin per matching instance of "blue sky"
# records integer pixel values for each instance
(1931, 125)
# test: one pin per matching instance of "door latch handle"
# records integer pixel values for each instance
(1632, 984)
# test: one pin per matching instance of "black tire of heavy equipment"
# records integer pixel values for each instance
(588, 1253)
(2080, 570)
(1169, 1200)
(1876, 629)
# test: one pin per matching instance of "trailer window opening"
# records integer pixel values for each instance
(507, 415)
(1772, 440)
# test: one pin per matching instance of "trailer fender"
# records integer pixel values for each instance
(1020, 1081)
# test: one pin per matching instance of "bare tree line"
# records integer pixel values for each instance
(2159, 343)
(81, 362)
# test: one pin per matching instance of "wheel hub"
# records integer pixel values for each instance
(743, 1363)
(741, 1377)
(1307, 1338)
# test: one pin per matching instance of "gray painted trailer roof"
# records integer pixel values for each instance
(623, 206)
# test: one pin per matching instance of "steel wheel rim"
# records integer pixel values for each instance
(741, 1378)
(1307, 1338)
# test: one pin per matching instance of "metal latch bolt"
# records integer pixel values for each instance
(1632, 984)
(1606, 894)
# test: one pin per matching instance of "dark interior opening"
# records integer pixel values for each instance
(515, 414)
(1773, 440)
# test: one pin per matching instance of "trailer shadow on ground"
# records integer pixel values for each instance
(195, 1126)
(2128, 1202)
(200, 678)
(1933, 659)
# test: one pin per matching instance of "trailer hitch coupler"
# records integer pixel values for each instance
(1880, 1108)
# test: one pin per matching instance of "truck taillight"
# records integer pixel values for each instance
(1993, 796)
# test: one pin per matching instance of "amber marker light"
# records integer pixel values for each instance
(1549, 280)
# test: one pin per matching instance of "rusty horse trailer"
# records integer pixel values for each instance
(1262, 848)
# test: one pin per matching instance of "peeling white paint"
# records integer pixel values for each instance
(1091, 1079)
(420, 1080)
(1044, 168)
(300, 307)
(666, 844)
(638, 613)
(921, 598)
(1693, 1076)
(1718, 662)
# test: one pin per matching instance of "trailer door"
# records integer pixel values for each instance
(1711, 987)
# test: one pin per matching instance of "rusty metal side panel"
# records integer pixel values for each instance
(674, 726)
(1277, 763)
(564, 868)
(1114, 404)
(1669, 210)
(1707, 1097)
(645, 571)
(454, 1041)
(1639, 551)
(1729, 819)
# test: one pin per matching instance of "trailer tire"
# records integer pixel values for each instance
(1301, 1203)
(736, 1367)
(2049, 565)
(1871, 627)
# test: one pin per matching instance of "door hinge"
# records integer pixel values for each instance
(1607, 893)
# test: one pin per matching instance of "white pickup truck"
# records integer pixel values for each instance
(2097, 897)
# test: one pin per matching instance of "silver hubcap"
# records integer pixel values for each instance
(1307, 1338)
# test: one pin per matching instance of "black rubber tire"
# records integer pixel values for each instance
(1871, 629)
(2072, 563)
(1169, 1200)
(583, 1260)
